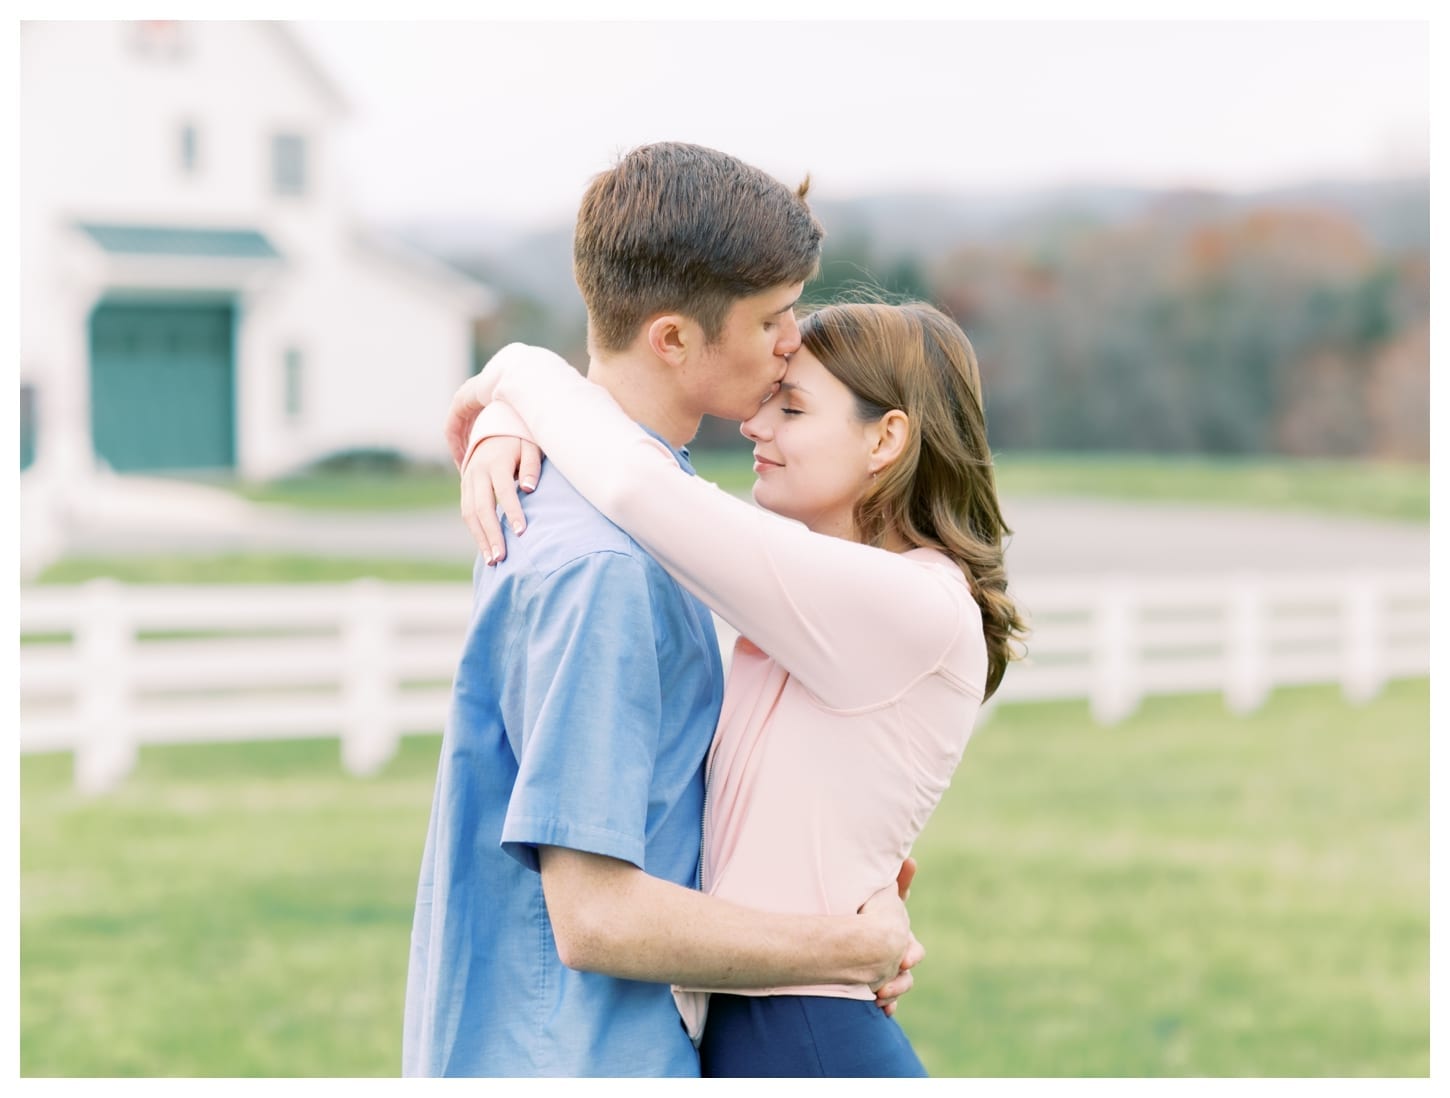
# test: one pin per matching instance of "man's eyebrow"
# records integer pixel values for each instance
(787, 307)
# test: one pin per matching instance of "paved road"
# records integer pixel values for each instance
(1053, 537)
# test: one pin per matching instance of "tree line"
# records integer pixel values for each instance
(1281, 330)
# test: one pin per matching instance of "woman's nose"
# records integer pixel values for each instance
(754, 428)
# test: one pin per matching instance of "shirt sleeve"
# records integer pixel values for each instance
(583, 712)
(854, 624)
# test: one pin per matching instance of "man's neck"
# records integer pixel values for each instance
(641, 385)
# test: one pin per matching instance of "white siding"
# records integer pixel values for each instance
(382, 353)
(101, 122)
(100, 138)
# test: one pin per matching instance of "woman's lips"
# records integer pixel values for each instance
(762, 464)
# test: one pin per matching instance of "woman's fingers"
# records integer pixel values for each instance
(477, 504)
(503, 465)
(488, 484)
(531, 462)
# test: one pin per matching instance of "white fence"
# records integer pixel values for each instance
(105, 668)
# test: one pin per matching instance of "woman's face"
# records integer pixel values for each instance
(812, 453)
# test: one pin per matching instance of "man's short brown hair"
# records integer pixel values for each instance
(682, 228)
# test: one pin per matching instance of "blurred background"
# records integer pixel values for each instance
(1193, 257)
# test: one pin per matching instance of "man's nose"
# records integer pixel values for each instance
(790, 337)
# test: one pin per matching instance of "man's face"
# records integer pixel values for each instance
(744, 366)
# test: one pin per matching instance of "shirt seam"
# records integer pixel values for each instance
(564, 828)
(938, 667)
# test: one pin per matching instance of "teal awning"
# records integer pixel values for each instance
(164, 240)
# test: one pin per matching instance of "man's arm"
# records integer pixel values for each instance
(611, 917)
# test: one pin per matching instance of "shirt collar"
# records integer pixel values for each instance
(682, 453)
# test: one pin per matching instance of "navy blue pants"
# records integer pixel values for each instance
(803, 1036)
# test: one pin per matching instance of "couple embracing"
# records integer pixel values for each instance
(635, 866)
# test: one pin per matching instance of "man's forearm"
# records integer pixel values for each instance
(611, 917)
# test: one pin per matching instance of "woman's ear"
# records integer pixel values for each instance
(671, 337)
(888, 440)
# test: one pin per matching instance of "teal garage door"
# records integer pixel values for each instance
(162, 392)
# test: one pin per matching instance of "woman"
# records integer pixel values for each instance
(872, 629)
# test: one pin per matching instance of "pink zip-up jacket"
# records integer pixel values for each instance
(845, 712)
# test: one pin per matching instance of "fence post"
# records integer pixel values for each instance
(1246, 654)
(1116, 685)
(106, 752)
(1362, 675)
(369, 733)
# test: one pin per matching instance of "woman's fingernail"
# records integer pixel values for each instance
(518, 527)
(526, 485)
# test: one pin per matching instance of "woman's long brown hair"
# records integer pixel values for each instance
(941, 492)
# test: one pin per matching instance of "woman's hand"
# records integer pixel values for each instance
(493, 475)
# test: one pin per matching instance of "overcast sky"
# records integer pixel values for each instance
(507, 121)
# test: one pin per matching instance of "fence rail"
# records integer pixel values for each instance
(105, 668)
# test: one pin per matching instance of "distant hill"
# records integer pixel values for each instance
(1394, 214)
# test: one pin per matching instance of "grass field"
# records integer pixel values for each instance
(1399, 491)
(359, 491)
(1370, 489)
(251, 568)
(1184, 894)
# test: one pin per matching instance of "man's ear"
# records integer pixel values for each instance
(672, 337)
(888, 440)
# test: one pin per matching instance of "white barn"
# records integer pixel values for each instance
(194, 293)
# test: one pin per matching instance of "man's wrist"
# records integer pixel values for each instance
(868, 948)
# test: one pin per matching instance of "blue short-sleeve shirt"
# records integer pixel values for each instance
(584, 703)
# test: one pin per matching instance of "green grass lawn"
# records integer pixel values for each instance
(359, 491)
(1377, 490)
(1186, 893)
(1370, 489)
(251, 568)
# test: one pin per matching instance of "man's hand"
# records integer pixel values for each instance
(887, 910)
(904, 877)
(489, 482)
(900, 984)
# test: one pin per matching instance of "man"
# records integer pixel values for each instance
(556, 901)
